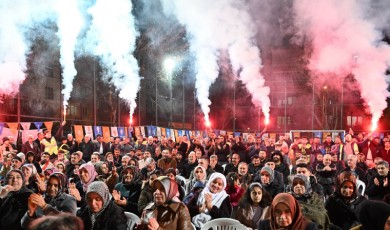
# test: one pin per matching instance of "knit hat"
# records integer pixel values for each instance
(100, 188)
(269, 171)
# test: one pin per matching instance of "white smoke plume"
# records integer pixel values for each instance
(17, 18)
(347, 39)
(112, 37)
(69, 23)
(218, 25)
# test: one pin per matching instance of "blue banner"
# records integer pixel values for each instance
(97, 130)
(216, 131)
(180, 132)
(168, 132)
(154, 131)
(38, 125)
(121, 132)
(188, 134)
(1, 127)
(149, 130)
(236, 134)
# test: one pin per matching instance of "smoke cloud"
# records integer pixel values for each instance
(112, 37)
(69, 22)
(346, 39)
(215, 26)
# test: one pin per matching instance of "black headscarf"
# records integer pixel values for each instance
(372, 214)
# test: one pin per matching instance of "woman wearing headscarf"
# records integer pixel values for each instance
(212, 203)
(87, 174)
(54, 202)
(107, 174)
(200, 174)
(286, 214)
(311, 204)
(13, 200)
(101, 213)
(342, 203)
(167, 211)
(254, 206)
(127, 192)
(30, 173)
(373, 215)
(31, 159)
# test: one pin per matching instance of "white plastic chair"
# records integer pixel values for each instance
(362, 185)
(224, 224)
(181, 179)
(132, 220)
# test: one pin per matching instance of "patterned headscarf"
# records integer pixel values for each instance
(170, 187)
(100, 188)
(91, 172)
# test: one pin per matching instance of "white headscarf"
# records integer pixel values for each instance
(219, 197)
(204, 173)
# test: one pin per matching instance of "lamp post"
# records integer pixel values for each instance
(169, 65)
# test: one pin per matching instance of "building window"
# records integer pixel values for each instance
(72, 110)
(49, 93)
(354, 120)
(283, 120)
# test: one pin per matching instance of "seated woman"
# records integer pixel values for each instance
(30, 173)
(147, 192)
(200, 175)
(212, 203)
(100, 211)
(127, 192)
(87, 175)
(286, 214)
(13, 200)
(311, 204)
(342, 203)
(254, 206)
(167, 211)
(374, 215)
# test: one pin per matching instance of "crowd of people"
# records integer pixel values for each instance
(292, 183)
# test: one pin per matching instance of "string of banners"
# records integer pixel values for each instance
(27, 128)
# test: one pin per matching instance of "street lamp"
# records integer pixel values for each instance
(169, 66)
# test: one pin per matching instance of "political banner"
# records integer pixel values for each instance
(106, 133)
(25, 125)
(114, 131)
(121, 132)
(78, 131)
(97, 130)
(89, 131)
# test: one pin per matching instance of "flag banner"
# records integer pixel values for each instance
(25, 125)
(137, 131)
(26, 133)
(324, 135)
(1, 127)
(197, 133)
(265, 135)
(89, 131)
(38, 125)
(334, 135)
(48, 125)
(179, 132)
(273, 136)
(245, 136)
(159, 133)
(154, 131)
(9, 132)
(114, 131)
(12, 126)
(222, 132)
(296, 134)
(106, 133)
(168, 133)
(236, 134)
(216, 131)
(174, 134)
(164, 132)
(190, 133)
(149, 130)
(98, 130)
(142, 128)
(121, 132)
(78, 131)
(131, 129)
(318, 134)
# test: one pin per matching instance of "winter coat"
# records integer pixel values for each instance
(112, 218)
(12, 209)
(174, 216)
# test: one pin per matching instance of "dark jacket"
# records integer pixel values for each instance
(12, 209)
(112, 218)
(375, 192)
(266, 225)
(175, 216)
(132, 193)
(87, 148)
(145, 197)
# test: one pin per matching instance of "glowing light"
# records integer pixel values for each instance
(266, 121)
(64, 112)
(169, 64)
(208, 123)
(374, 126)
(131, 120)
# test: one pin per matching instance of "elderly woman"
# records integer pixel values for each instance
(100, 211)
(127, 192)
(200, 175)
(30, 173)
(13, 200)
(167, 211)
(286, 214)
(254, 206)
(342, 203)
(311, 204)
(212, 203)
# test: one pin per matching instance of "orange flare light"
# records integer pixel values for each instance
(208, 124)
(131, 120)
(64, 113)
(374, 126)
(266, 121)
